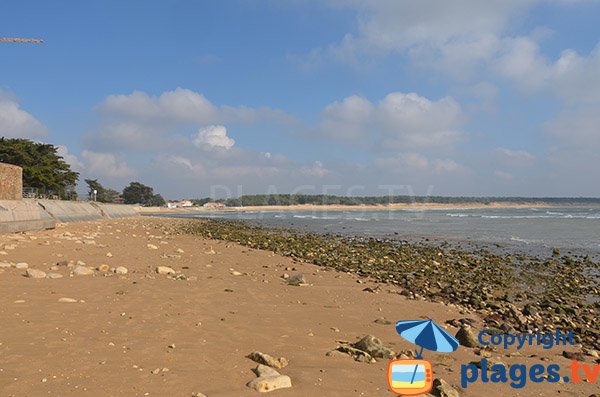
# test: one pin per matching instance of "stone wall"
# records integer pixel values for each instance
(11, 182)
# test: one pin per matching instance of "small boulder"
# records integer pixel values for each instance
(466, 336)
(297, 279)
(372, 345)
(34, 273)
(441, 388)
(268, 380)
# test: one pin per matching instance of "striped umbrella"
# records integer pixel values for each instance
(428, 335)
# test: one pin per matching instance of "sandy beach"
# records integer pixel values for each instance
(148, 334)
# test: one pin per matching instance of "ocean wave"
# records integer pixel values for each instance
(460, 215)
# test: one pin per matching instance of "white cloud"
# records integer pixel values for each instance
(105, 165)
(514, 157)
(70, 158)
(398, 121)
(417, 163)
(213, 136)
(184, 106)
(316, 170)
(17, 123)
(506, 176)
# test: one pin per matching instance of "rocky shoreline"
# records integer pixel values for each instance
(511, 292)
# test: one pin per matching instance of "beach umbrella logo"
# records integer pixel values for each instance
(411, 377)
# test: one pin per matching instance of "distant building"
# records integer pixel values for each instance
(214, 205)
(179, 204)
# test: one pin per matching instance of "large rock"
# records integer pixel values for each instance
(267, 359)
(269, 380)
(34, 273)
(164, 270)
(466, 336)
(82, 271)
(372, 345)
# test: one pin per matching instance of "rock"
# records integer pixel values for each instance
(103, 268)
(34, 273)
(297, 279)
(466, 336)
(155, 371)
(556, 251)
(579, 356)
(82, 271)
(267, 359)
(179, 250)
(198, 394)
(269, 380)
(109, 255)
(236, 273)
(441, 388)
(121, 270)
(152, 246)
(382, 321)
(4, 265)
(164, 270)
(54, 275)
(374, 347)
(356, 354)
(67, 300)
(22, 265)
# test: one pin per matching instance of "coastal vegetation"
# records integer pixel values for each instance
(321, 199)
(43, 168)
(138, 193)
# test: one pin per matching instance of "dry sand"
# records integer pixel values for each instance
(197, 331)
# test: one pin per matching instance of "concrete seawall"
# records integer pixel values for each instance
(26, 215)
(23, 215)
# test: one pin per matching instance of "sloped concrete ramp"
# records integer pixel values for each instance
(23, 215)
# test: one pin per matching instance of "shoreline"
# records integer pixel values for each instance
(335, 207)
(224, 300)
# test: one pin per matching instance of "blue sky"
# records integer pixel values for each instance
(194, 97)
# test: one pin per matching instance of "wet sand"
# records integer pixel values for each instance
(196, 329)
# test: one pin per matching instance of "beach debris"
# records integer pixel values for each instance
(441, 388)
(372, 345)
(67, 300)
(297, 279)
(54, 275)
(466, 336)
(267, 359)
(82, 271)
(34, 273)
(22, 265)
(121, 270)
(164, 270)
(268, 380)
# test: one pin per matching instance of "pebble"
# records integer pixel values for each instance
(67, 300)
(104, 268)
(121, 270)
(236, 273)
(267, 359)
(34, 273)
(152, 246)
(4, 265)
(164, 270)
(54, 275)
(297, 279)
(198, 394)
(82, 271)
(22, 265)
